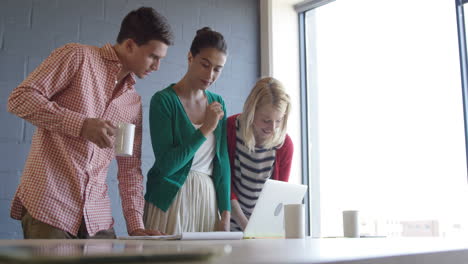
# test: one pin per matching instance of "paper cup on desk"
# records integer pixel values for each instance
(351, 223)
(124, 140)
(294, 221)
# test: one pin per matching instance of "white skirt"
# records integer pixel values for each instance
(194, 208)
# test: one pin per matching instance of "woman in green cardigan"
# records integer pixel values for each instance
(188, 187)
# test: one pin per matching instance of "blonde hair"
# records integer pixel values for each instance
(267, 91)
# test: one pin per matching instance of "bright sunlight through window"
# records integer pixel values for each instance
(390, 119)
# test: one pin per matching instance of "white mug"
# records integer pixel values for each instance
(124, 139)
(294, 220)
(351, 223)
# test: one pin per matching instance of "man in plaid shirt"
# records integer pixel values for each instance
(75, 98)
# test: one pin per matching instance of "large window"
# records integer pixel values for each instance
(385, 117)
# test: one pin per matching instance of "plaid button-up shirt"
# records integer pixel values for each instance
(64, 179)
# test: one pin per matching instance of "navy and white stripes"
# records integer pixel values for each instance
(251, 170)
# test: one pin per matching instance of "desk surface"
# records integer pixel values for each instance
(330, 250)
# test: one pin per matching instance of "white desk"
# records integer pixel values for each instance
(330, 250)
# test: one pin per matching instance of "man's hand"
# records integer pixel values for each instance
(146, 232)
(98, 131)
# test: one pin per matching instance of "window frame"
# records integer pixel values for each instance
(463, 64)
(312, 200)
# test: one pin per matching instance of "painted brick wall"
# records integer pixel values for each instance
(31, 29)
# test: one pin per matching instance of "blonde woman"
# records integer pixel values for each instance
(258, 146)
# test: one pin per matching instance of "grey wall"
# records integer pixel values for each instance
(31, 29)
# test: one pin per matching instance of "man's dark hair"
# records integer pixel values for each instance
(208, 38)
(143, 25)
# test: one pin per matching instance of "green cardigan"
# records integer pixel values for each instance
(175, 141)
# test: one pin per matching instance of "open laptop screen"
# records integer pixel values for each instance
(267, 219)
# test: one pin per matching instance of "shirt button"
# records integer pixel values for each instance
(116, 81)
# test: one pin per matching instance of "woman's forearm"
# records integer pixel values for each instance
(238, 215)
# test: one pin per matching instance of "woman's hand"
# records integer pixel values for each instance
(214, 112)
(238, 215)
(225, 223)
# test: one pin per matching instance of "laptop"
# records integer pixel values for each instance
(267, 219)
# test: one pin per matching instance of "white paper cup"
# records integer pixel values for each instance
(124, 140)
(351, 223)
(294, 221)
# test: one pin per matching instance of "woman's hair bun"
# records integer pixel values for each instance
(203, 30)
(208, 38)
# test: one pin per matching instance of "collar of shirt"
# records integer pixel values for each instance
(108, 53)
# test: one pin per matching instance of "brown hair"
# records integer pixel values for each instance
(207, 38)
(143, 25)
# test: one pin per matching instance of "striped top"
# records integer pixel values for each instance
(251, 170)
